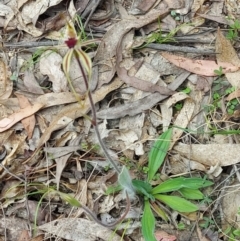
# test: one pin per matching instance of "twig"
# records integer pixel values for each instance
(173, 48)
(111, 225)
(10, 173)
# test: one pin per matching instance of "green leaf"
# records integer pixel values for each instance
(177, 203)
(148, 223)
(180, 182)
(193, 194)
(143, 188)
(158, 153)
(236, 232)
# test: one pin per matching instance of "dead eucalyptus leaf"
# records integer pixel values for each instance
(30, 121)
(74, 111)
(134, 81)
(141, 105)
(182, 120)
(198, 66)
(79, 229)
(6, 84)
(9, 121)
(210, 154)
(225, 51)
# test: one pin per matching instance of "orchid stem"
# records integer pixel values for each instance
(94, 116)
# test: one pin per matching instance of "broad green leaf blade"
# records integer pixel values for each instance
(180, 182)
(158, 153)
(148, 223)
(193, 194)
(177, 203)
(125, 180)
(143, 188)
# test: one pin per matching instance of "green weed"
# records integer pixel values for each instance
(35, 58)
(206, 222)
(233, 31)
(174, 192)
(187, 188)
(232, 233)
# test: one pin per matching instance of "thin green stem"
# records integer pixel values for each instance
(94, 115)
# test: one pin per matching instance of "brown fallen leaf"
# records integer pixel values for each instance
(201, 236)
(31, 83)
(108, 45)
(79, 229)
(233, 95)
(136, 107)
(134, 81)
(74, 111)
(210, 154)
(30, 121)
(230, 206)
(225, 51)
(164, 236)
(142, 6)
(183, 119)
(6, 84)
(9, 121)
(198, 66)
(24, 236)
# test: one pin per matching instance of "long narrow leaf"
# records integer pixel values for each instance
(180, 182)
(148, 223)
(177, 203)
(158, 153)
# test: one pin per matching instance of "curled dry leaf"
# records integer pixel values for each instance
(198, 66)
(30, 121)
